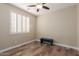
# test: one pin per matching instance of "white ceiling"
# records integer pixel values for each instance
(52, 6)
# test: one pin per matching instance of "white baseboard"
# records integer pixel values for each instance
(67, 46)
(6, 49)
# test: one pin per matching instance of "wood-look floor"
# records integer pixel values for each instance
(35, 49)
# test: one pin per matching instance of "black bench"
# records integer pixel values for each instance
(46, 41)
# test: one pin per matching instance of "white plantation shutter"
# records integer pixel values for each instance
(28, 24)
(24, 23)
(19, 23)
(13, 22)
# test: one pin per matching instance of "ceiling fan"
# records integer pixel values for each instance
(39, 6)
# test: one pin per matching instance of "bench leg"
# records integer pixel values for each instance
(41, 42)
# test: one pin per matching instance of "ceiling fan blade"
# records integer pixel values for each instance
(45, 7)
(37, 10)
(43, 3)
(31, 5)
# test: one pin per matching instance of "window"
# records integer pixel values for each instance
(24, 24)
(28, 24)
(19, 23)
(13, 22)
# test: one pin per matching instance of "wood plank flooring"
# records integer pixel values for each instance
(35, 49)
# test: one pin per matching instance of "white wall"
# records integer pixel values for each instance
(60, 25)
(6, 38)
(78, 25)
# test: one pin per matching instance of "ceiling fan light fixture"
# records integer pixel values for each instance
(38, 6)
